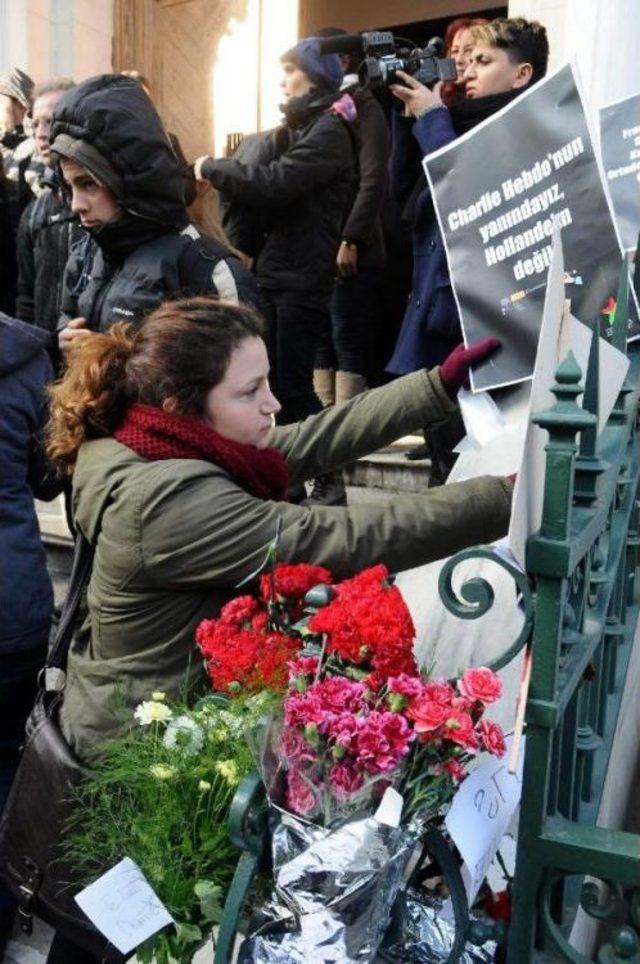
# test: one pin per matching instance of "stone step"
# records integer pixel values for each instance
(390, 470)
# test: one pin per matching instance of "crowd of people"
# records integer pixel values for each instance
(195, 383)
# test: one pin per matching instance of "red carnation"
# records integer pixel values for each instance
(458, 728)
(239, 610)
(427, 717)
(237, 656)
(293, 581)
(438, 691)
(492, 737)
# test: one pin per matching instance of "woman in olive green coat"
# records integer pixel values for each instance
(179, 479)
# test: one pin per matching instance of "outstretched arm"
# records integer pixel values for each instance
(338, 435)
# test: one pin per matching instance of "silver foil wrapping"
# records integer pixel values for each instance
(427, 934)
(340, 886)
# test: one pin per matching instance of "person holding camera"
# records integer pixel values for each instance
(303, 192)
(508, 56)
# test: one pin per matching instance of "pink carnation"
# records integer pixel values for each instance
(337, 694)
(408, 686)
(295, 748)
(300, 795)
(344, 780)
(301, 709)
(492, 737)
(342, 729)
(438, 691)
(455, 770)
(303, 666)
(480, 684)
(383, 740)
(428, 716)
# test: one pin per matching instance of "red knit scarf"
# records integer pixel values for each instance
(156, 435)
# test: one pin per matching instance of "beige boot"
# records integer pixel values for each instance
(324, 385)
(348, 385)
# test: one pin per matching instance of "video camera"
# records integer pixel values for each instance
(383, 55)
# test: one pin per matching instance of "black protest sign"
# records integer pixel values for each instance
(498, 191)
(620, 148)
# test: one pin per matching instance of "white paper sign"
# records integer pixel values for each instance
(123, 906)
(480, 815)
(559, 332)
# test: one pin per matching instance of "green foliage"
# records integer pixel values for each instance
(161, 795)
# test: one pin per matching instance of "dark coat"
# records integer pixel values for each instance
(304, 192)
(45, 237)
(150, 252)
(364, 221)
(247, 226)
(430, 328)
(198, 535)
(26, 598)
(105, 291)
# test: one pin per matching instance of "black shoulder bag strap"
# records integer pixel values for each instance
(80, 573)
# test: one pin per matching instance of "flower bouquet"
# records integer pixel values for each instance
(357, 718)
(161, 794)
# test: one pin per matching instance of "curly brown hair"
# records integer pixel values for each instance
(180, 352)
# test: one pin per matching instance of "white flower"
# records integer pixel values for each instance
(152, 711)
(235, 725)
(204, 785)
(185, 735)
(228, 770)
(161, 771)
(218, 734)
(158, 696)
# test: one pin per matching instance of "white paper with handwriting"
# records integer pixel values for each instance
(480, 814)
(123, 906)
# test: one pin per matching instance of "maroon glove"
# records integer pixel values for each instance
(454, 371)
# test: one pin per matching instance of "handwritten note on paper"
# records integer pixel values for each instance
(480, 814)
(123, 906)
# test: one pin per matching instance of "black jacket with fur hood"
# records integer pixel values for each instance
(124, 269)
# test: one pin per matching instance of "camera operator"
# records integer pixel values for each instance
(509, 55)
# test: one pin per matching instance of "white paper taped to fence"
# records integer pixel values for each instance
(480, 815)
(123, 906)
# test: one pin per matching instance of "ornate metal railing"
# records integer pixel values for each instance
(583, 565)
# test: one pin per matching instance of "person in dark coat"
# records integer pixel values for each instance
(509, 56)
(247, 225)
(341, 362)
(7, 245)
(520, 50)
(303, 192)
(47, 229)
(26, 596)
(127, 187)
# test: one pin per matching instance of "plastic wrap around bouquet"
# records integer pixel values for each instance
(359, 726)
